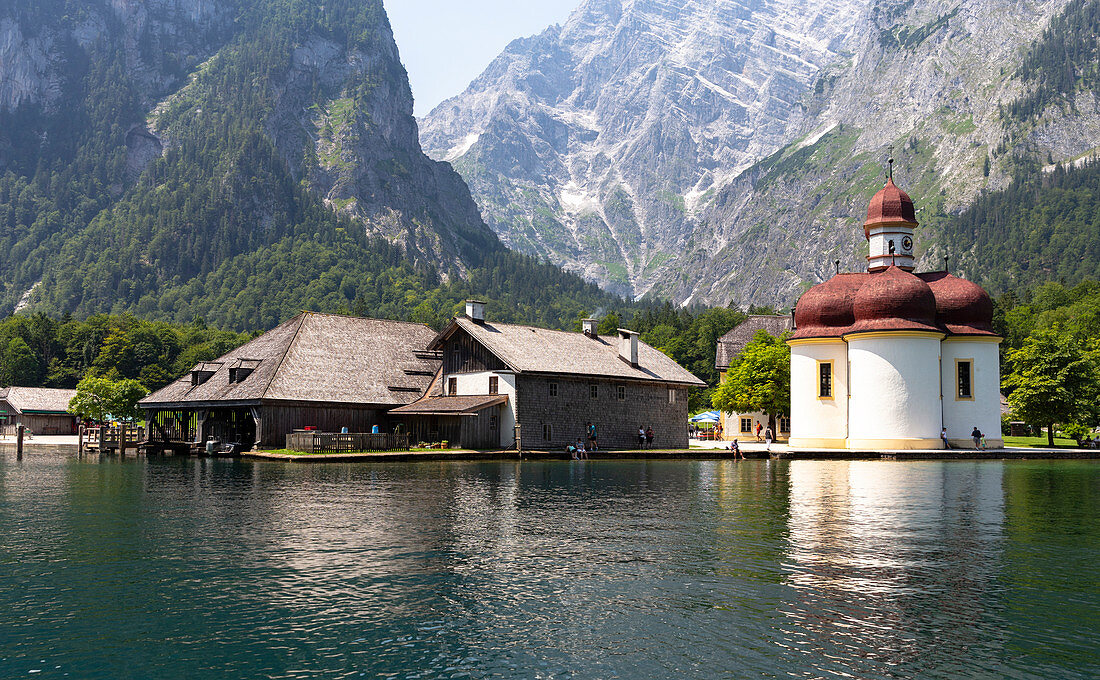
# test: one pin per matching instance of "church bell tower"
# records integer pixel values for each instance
(891, 219)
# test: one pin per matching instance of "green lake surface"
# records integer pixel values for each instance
(192, 568)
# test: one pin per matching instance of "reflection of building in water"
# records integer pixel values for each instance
(887, 558)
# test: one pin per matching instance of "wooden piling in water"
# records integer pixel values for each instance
(19, 441)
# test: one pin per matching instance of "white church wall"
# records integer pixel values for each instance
(983, 409)
(895, 402)
(818, 422)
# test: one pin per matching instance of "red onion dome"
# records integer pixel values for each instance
(825, 311)
(894, 300)
(889, 206)
(962, 307)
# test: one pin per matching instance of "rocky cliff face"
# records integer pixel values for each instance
(928, 84)
(600, 143)
(717, 152)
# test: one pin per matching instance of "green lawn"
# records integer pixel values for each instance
(1040, 442)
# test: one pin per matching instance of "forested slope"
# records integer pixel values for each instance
(236, 160)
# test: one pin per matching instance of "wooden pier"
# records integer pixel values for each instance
(109, 439)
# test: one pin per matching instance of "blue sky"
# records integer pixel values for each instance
(445, 44)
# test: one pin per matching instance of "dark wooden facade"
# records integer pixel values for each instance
(463, 354)
(262, 424)
(480, 431)
(39, 423)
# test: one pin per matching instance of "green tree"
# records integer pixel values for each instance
(759, 379)
(19, 365)
(1053, 379)
(100, 398)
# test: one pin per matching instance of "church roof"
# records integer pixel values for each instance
(893, 300)
(889, 206)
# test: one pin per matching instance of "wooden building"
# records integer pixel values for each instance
(316, 371)
(38, 409)
(549, 383)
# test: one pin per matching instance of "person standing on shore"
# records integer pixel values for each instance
(641, 437)
(758, 428)
(649, 437)
(976, 435)
(768, 437)
(591, 430)
(943, 438)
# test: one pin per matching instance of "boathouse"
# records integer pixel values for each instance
(549, 383)
(40, 410)
(743, 425)
(316, 371)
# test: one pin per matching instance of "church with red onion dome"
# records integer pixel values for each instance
(888, 358)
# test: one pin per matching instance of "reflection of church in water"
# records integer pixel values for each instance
(883, 359)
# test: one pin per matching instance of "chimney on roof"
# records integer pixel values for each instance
(628, 347)
(589, 327)
(475, 311)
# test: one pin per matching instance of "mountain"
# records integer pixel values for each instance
(236, 160)
(715, 151)
(599, 143)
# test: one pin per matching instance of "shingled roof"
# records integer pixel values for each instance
(527, 349)
(733, 343)
(321, 358)
(38, 399)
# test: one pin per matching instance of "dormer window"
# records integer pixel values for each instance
(199, 377)
(237, 375)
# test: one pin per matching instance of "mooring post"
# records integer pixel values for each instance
(80, 440)
(19, 441)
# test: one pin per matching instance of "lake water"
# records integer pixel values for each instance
(187, 568)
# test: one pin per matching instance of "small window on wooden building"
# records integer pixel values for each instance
(547, 432)
(494, 385)
(493, 423)
(452, 386)
(553, 389)
(594, 391)
(671, 396)
(621, 390)
(746, 425)
(964, 371)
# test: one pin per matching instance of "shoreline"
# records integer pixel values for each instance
(751, 451)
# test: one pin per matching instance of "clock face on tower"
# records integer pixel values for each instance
(906, 244)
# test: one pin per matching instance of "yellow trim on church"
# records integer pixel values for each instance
(816, 341)
(866, 335)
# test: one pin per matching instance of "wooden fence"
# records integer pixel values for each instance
(107, 438)
(333, 442)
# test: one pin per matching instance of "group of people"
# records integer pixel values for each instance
(579, 450)
(976, 436)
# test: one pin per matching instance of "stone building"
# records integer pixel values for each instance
(743, 425)
(884, 359)
(550, 383)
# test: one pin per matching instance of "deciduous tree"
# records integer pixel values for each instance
(1053, 379)
(759, 379)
